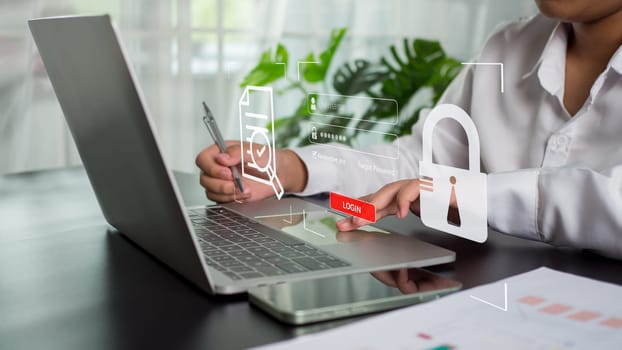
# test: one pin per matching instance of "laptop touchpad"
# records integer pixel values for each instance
(319, 228)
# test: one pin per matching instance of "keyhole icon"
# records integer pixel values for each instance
(453, 214)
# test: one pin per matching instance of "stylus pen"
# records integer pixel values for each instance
(214, 131)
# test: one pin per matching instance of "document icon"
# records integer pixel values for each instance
(256, 113)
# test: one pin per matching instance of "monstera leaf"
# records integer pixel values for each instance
(314, 73)
(399, 76)
(269, 69)
(288, 128)
(422, 65)
(360, 77)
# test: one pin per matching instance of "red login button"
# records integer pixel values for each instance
(354, 207)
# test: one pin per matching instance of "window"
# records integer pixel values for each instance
(186, 51)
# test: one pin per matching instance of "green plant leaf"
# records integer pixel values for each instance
(287, 129)
(400, 75)
(405, 126)
(424, 64)
(352, 79)
(314, 73)
(269, 69)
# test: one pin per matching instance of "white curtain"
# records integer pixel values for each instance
(186, 51)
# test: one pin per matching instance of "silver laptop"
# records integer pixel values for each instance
(223, 249)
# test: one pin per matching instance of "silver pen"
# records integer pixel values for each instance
(214, 131)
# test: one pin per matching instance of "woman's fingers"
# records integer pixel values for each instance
(404, 283)
(384, 200)
(407, 195)
(223, 190)
(386, 277)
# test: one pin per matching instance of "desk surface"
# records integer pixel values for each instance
(69, 281)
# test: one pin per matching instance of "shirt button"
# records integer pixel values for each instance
(560, 142)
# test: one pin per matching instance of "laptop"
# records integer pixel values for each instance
(222, 249)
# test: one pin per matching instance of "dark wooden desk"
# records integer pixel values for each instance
(68, 281)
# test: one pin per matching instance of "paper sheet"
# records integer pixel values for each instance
(546, 309)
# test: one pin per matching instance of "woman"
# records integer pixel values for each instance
(549, 143)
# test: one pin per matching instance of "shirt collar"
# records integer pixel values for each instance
(553, 36)
(616, 61)
(550, 67)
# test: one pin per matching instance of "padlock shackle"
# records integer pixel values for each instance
(456, 113)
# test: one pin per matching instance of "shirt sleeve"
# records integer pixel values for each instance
(574, 207)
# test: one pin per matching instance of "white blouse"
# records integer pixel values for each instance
(550, 176)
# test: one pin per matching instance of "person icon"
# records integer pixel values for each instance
(453, 214)
(313, 104)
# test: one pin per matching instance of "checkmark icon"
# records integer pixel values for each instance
(261, 151)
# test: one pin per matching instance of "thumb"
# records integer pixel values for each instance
(231, 157)
(350, 223)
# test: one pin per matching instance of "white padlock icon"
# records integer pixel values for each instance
(439, 183)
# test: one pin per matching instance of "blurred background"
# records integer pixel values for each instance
(186, 51)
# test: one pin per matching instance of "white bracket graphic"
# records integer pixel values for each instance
(290, 214)
(284, 69)
(291, 220)
(488, 64)
(304, 225)
(303, 62)
(505, 305)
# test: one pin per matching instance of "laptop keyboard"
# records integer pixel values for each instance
(235, 246)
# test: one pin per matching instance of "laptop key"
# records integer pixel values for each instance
(250, 274)
(246, 231)
(264, 240)
(232, 275)
(292, 254)
(305, 248)
(249, 244)
(222, 258)
(213, 252)
(311, 264)
(257, 263)
(238, 239)
(252, 260)
(240, 253)
(211, 238)
(231, 263)
(270, 270)
(277, 260)
(220, 243)
(332, 262)
(281, 249)
(258, 250)
(291, 267)
(241, 269)
(219, 268)
(238, 229)
(230, 248)
(266, 255)
(279, 236)
(274, 245)
(315, 253)
(221, 230)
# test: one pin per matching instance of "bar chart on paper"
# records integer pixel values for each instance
(546, 310)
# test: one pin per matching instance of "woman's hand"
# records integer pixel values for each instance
(217, 178)
(396, 198)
